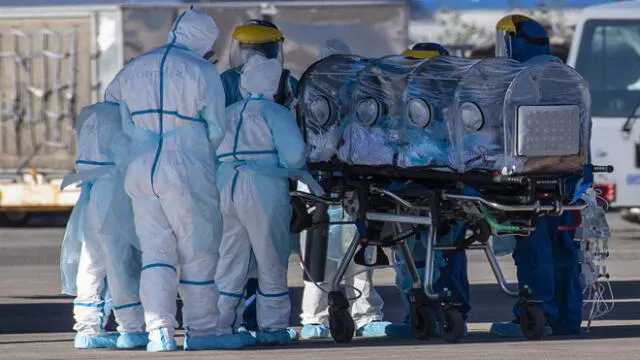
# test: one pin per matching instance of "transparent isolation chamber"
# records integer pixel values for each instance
(494, 114)
(518, 118)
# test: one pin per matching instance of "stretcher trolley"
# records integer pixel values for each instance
(423, 144)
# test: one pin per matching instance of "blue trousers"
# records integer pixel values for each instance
(547, 261)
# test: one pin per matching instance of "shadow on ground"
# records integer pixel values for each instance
(50, 315)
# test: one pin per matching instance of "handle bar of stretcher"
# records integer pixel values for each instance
(312, 197)
(398, 199)
(537, 207)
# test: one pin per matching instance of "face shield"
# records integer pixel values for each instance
(505, 31)
(249, 40)
(425, 51)
(421, 54)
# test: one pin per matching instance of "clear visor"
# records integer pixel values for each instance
(241, 52)
(503, 44)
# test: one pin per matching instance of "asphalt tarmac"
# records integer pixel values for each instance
(36, 322)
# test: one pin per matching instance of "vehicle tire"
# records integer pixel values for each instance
(452, 328)
(14, 219)
(341, 325)
(532, 322)
(423, 323)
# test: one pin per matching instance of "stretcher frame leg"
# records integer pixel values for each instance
(403, 247)
(497, 271)
(416, 282)
(430, 264)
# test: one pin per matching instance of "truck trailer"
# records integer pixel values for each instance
(55, 59)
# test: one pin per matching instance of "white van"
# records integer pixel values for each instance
(606, 51)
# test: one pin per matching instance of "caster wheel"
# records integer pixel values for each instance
(452, 326)
(532, 322)
(341, 325)
(423, 323)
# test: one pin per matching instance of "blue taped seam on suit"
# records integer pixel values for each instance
(127, 306)
(234, 181)
(272, 295)
(224, 293)
(161, 110)
(255, 152)
(155, 265)
(98, 305)
(188, 282)
(167, 112)
(89, 162)
(237, 135)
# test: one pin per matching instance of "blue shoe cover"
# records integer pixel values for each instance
(373, 329)
(160, 341)
(279, 337)
(132, 341)
(107, 341)
(512, 330)
(314, 332)
(219, 342)
(293, 335)
(402, 331)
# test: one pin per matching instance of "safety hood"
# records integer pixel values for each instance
(196, 30)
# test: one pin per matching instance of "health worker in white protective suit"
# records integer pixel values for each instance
(172, 104)
(261, 149)
(366, 309)
(98, 248)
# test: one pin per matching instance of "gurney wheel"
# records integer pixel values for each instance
(423, 323)
(341, 325)
(532, 322)
(452, 328)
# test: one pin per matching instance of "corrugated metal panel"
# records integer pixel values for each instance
(45, 71)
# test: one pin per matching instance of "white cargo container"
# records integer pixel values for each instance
(56, 59)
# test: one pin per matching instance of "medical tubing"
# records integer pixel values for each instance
(495, 224)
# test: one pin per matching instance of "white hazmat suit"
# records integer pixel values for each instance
(366, 310)
(261, 148)
(172, 104)
(107, 257)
